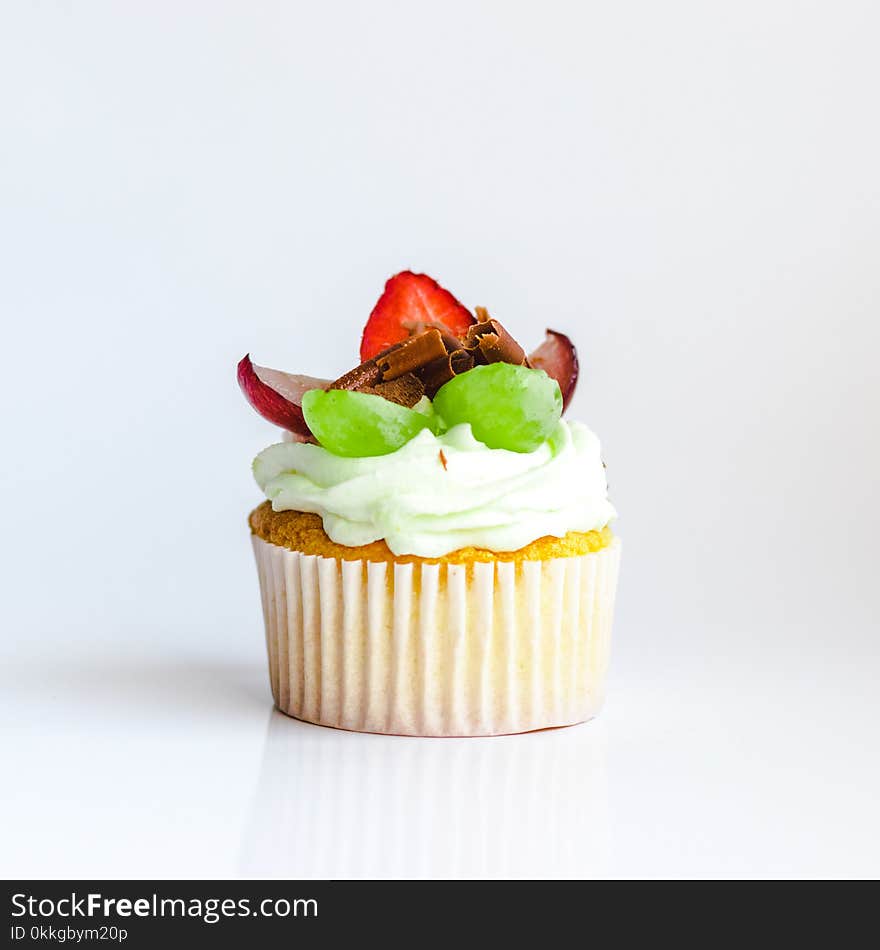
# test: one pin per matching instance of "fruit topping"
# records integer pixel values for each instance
(508, 407)
(410, 304)
(559, 360)
(355, 425)
(430, 358)
(277, 396)
(421, 342)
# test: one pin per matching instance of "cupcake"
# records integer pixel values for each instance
(435, 553)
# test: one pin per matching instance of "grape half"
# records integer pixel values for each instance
(508, 407)
(355, 425)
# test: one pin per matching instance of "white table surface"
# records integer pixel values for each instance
(147, 764)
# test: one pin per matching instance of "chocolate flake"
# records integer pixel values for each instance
(452, 343)
(421, 364)
(414, 354)
(439, 372)
(493, 344)
(461, 361)
(367, 374)
(405, 390)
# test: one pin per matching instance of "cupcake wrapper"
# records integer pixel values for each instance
(437, 649)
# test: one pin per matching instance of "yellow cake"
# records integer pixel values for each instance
(303, 531)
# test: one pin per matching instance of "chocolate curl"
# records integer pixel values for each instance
(421, 364)
(390, 373)
(414, 354)
(461, 361)
(452, 343)
(405, 390)
(367, 374)
(441, 371)
(417, 328)
(491, 343)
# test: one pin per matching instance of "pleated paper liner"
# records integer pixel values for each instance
(438, 649)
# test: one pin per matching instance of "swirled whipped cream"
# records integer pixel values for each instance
(440, 493)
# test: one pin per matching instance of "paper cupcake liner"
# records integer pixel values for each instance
(437, 649)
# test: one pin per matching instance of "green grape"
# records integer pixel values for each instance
(359, 424)
(508, 407)
(426, 408)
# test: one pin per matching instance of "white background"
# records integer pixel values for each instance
(691, 190)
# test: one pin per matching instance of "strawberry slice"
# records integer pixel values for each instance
(277, 396)
(410, 304)
(559, 360)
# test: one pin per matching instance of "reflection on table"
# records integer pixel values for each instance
(332, 804)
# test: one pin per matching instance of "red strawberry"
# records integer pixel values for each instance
(411, 302)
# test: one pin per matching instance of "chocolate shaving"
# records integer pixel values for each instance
(441, 371)
(497, 349)
(451, 342)
(367, 374)
(405, 390)
(461, 361)
(428, 359)
(493, 344)
(414, 354)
